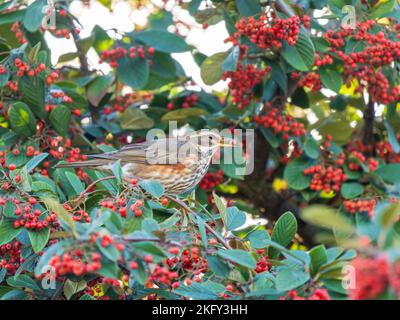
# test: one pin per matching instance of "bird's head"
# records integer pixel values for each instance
(208, 141)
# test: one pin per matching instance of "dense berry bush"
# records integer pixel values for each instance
(322, 98)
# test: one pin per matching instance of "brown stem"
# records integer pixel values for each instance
(369, 119)
(84, 64)
(83, 193)
(208, 227)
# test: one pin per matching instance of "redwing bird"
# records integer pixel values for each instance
(177, 163)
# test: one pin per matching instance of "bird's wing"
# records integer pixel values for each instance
(161, 151)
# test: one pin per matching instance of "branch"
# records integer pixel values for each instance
(84, 65)
(208, 227)
(284, 7)
(369, 119)
(83, 193)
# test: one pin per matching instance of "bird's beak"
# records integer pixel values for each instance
(227, 142)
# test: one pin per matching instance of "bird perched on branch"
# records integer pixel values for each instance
(178, 163)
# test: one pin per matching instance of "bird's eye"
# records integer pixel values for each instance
(210, 137)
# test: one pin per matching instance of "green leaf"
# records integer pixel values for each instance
(39, 238)
(34, 162)
(284, 231)
(4, 78)
(221, 208)
(149, 248)
(311, 147)
(8, 232)
(279, 76)
(294, 176)
(155, 188)
(290, 279)
(331, 78)
(98, 88)
(102, 40)
(326, 217)
(230, 63)
(197, 291)
(34, 95)
(351, 190)
(67, 57)
(183, 114)
(390, 173)
(248, 7)
(117, 170)
(238, 256)
(34, 15)
(259, 239)
(73, 287)
(389, 215)
(21, 119)
(11, 17)
(235, 218)
(318, 257)
(211, 68)
(110, 251)
(9, 209)
(392, 137)
(60, 118)
(270, 137)
(133, 72)
(135, 119)
(218, 266)
(301, 56)
(75, 182)
(382, 8)
(161, 40)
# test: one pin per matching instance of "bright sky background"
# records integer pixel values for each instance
(123, 18)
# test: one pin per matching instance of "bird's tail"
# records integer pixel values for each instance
(83, 164)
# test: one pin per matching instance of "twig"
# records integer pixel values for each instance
(208, 227)
(369, 119)
(83, 193)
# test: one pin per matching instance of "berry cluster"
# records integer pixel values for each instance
(279, 123)
(24, 68)
(163, 275)
(30, 218)
(372, 278)
(326, 179)
(12, 85)
(19, 34)
(268, 32)
(3, 69)
(211, 180)
(356, 157)
(120, 206)
(10, 256)
(386, 152)
(367, 66)
(75, 263)
(123, 102)
(242, 82)
(188, 102)
(312, 81)
(112, 56)
(188, 261)
(263, 264)
(360, 206)
(318, 294)
(79, 215)
(55, 98)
